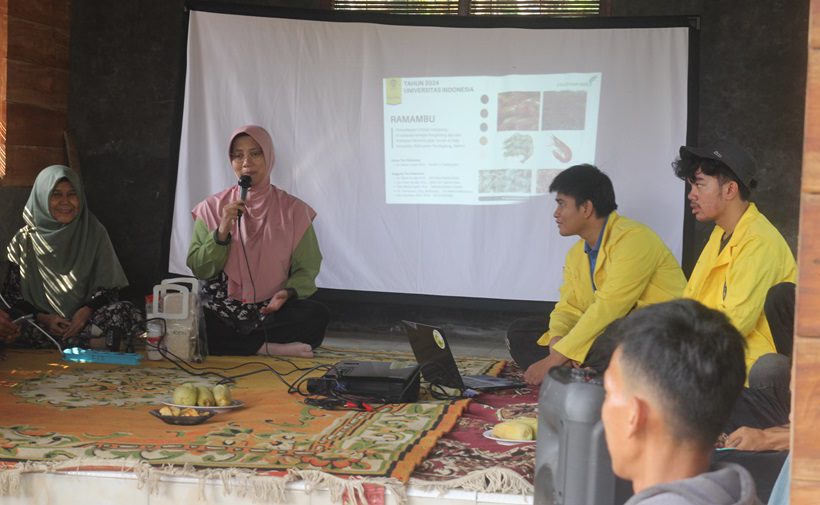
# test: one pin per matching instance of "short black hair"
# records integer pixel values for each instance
(692, 357)
(586, 183)
(686, 167)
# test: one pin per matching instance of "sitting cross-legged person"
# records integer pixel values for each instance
(745, 255)
(617, 265)
(259, 257)
(64, 272)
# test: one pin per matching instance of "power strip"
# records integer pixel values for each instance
(77, 355)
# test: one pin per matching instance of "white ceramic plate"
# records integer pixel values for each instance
(506, 441)
(215, 408)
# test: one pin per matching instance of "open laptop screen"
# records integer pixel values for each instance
(438, 366)
(433, 355)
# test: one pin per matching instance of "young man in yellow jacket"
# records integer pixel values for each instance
(617, 266)
(745, 255)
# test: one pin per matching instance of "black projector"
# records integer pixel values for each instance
(375, 381)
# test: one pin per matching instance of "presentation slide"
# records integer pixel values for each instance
(485, 139)
(427, 151)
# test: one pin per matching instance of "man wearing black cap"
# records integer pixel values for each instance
(745, 255)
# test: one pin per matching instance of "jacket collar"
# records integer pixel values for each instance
(725, 255)
(607, 231)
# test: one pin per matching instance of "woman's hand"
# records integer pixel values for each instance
(8, 330)
(276, 302)
(78, 321)
(230, 213)
(54, 324)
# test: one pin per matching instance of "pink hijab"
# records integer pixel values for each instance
(271, 228)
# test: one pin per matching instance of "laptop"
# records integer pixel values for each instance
(438, 365)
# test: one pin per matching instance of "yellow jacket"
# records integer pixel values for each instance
(735, 281)
(634, 269)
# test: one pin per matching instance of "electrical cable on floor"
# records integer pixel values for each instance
(225, 379)
(28, 318)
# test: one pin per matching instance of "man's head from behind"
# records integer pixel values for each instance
(672, 381)
(582, 192)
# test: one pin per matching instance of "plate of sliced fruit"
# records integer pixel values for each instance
(181, 416)
(235, 404)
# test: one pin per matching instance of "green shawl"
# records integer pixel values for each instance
(62, 266)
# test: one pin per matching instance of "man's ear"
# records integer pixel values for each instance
(638, 414)
(730, 190)
(587, 209)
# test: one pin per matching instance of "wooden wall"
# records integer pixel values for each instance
(806, 393)
(34, 77)
(4, 49)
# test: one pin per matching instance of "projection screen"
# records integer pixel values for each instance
(427, 151)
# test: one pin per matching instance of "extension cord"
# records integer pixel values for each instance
(78, 355)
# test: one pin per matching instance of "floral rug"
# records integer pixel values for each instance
(52, 410)
(464, 458)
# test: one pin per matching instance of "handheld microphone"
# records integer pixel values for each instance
(244, 184)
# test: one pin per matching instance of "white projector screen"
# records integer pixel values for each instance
(427, 151)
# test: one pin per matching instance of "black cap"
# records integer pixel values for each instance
(739, 161)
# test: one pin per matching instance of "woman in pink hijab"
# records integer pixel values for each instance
(259, 257)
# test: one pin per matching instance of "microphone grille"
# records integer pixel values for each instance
(245, 181)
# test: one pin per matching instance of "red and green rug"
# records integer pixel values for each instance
(51, 410)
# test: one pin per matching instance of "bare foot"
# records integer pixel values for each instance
(297, 349)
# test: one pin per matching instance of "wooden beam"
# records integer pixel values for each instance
(45, 87)
(4, 28)
(811, 139)
(806, 453)
(805, 446)
(30, 125)
(807, 319)
(71, 153)
(805, 493)
(48, 12)
(24, 163)
(37, 43)
(34, 85)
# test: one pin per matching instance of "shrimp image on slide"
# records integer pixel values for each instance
(561, 151)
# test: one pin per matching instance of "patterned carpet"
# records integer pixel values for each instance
(464, 450)
(52, 410)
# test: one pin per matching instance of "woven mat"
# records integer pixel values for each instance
(51, 410)
(464, 458)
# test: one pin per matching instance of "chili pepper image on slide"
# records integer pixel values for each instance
(561, 151)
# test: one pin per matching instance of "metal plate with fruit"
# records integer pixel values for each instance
(184, 416)
(235, 404)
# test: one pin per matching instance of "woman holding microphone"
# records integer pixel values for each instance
(255, 247)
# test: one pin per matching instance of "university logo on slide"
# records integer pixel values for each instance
(392, 90)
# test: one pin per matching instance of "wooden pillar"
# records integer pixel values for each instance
(34, 79)
(805, 483)
(4, 50)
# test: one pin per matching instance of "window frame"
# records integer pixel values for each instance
(467, 7)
